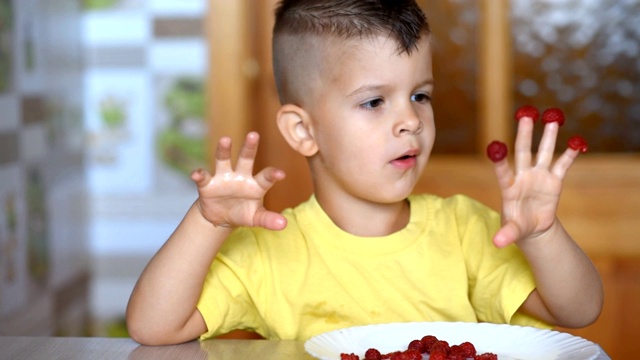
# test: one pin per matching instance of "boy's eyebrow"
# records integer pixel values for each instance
(365, 88)
(375, 87)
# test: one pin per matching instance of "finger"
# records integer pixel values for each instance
(522, 155)
(201, 177)
(564, 162)
(247, 154)
(269, 220)
(223, 155)
(503, 173)
(268, 176)
(547, 144)
(508, 234)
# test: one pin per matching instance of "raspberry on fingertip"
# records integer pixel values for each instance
(577, 142)
(497, 151)
(527, 111)
(553, 115)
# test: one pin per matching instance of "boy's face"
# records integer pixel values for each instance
(372, 118)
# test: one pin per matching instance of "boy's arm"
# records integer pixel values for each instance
(162, 308)
(568, 291)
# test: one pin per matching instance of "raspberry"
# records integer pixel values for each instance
(372, 354)
(468, 349)
(497, 151)
(438, 355)
(577, 142)
(440, 345)
(416, 344)
(351, 356)
(486, 356)
(412, 354)
(553, 115)
(427, 342)
(527, 111)
(456, 352)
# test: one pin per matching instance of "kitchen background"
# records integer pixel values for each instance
(102, 117)
(101, 120)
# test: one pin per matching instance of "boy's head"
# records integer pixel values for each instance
(302, 28)
(355, 81)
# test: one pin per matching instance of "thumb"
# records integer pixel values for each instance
(269, 219)
(201, 177)
(508, 234)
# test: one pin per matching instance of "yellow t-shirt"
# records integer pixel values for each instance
(314, 277)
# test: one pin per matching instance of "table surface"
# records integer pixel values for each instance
(18, 348)
(67, 348)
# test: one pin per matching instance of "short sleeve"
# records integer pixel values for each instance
(225, 302)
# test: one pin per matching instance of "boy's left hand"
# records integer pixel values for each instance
(530, 195)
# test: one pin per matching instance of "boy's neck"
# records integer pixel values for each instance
(366, 219)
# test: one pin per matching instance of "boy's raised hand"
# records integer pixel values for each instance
(530, 195)
(234, 197)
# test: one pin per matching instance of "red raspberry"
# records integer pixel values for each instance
(456, 353)
(497, 151)
(427, 342)
(553, 115)
(440, 345)
(527, 111)
(438, 355)
(416, 344)
(351, 356)
(577, 142)
(372, 354)
(412, 354)
(486, 356)
(468, 349)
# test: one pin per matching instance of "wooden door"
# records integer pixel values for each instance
(601, 199)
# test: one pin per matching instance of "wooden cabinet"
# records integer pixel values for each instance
(600, 204)
(618, 327)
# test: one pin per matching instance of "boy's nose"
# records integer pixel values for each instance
(408, 123)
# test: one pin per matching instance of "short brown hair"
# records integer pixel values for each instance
(401, 20)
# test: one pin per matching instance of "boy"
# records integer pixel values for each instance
(355, 81)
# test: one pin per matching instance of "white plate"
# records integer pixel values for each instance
(507, 341)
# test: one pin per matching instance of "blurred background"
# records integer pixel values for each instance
(107, 105)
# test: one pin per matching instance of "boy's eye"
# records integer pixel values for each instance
(421, 98)
(371, 104)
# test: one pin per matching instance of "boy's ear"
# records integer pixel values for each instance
(295, 125)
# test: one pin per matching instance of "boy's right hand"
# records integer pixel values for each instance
(234, 197)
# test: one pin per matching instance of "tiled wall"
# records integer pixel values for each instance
(43, 233)
(146, 63)
(101, 119)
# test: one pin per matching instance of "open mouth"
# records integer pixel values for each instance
(406, 161)
(405, 157)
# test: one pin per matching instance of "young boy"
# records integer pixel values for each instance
(355, 80)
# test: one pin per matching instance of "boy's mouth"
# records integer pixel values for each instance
(406, 160)
(409, 154)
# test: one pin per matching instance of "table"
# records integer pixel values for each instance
(53, 348)
(19, 348)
